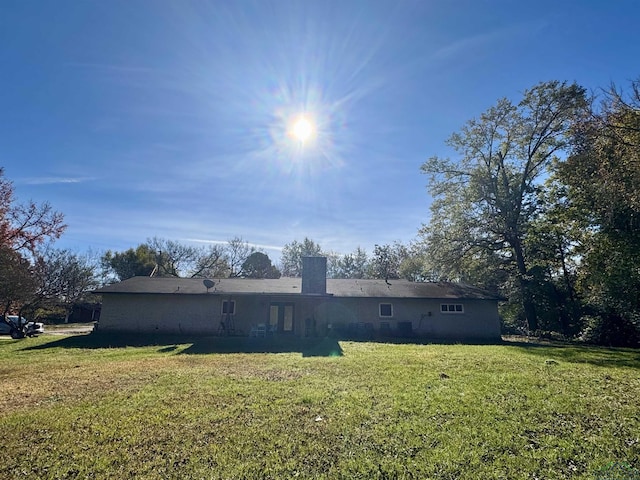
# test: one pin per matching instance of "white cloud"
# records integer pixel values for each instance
(54, 180)
(224, 242)
(484, 40)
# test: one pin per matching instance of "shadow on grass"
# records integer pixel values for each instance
(200, 345)
(420, 340)
(329, 347)
(591, 354)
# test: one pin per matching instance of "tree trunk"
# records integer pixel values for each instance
(528, 304)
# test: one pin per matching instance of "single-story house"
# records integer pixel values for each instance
(309, 306)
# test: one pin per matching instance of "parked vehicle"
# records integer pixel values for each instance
(20, 327)
(35, 328)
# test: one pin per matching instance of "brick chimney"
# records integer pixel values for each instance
(314, 275)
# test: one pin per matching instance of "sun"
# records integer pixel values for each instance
(302, 129)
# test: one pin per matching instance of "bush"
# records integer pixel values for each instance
(611, 330)
(512, 320)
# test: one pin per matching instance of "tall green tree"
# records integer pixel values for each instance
(353, 265)
(602, 178)
(258, 265)
(139, 261)
(554, 244)
(292, 254)
(486, 196)
(386, 261)
(415, 264)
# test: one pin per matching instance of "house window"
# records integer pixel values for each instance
(228, 307)
(451, 308)
(386, 310)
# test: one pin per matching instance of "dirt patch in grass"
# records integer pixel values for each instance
(24, 389)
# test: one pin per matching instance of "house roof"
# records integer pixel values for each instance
(293, 286)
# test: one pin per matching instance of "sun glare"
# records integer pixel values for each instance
(302, 129)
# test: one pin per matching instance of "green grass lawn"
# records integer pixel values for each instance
(86, 407)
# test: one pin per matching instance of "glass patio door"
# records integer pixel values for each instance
(281, 317)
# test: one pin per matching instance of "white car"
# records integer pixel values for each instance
(29, 328)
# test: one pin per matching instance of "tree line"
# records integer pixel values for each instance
(42, 282)
(237, 258)
(538, 202)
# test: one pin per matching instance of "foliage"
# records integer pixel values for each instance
(414, 264)
(130, 263)
(64, 278)
(353, 265)
(292, 253)
(386, 261)
(17, 282)
(602, 176)
(24, 227)
(603, 171)
(610, 283)
(258, 265)
(333, 264)
(236, 253)
(175, 259)
(563, 252)
(612, 328)
(178, 409)
(553, 241)
(486, 198)
(167, 258)
(390, 261)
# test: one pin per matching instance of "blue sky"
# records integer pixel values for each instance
(142, 118)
